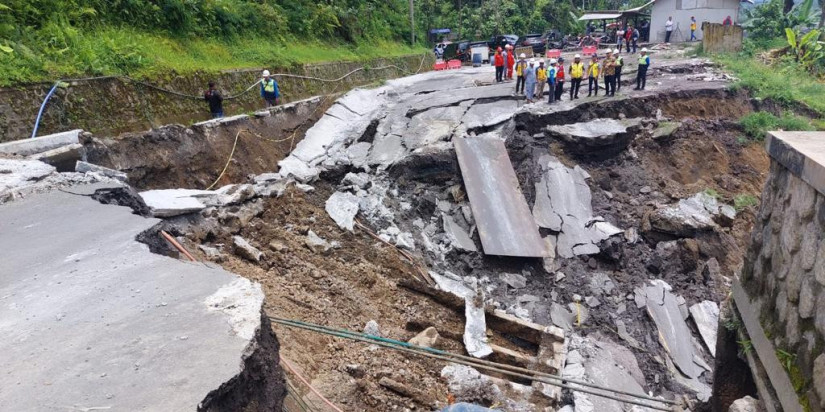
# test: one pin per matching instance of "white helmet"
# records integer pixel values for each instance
(532, 61)
(617, 51)
(522, 56)
(265, 73)
(644, 49)
(578, 56)
(553, 61)
(541, 61)
(609, 51)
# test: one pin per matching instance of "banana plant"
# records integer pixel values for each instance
(807, 49)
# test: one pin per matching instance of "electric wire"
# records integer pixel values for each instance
(481, 364)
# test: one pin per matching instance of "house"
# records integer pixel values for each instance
(713, 11)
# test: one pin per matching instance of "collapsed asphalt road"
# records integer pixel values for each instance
(629, 199)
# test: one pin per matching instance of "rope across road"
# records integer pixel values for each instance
(650, 402)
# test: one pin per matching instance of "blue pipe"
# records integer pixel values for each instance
(42, 107)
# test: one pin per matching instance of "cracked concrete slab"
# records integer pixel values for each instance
(93, 319)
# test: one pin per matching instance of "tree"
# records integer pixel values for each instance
(788, 6)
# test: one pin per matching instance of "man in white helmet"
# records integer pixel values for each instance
(530, 80)
(576, 76)
(551, 81)
(541, 79)
(641, 75)
(269, 89)
(619, 65)
(521, 67)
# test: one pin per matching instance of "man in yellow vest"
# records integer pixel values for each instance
(593, 76)
(269, 90)
(641, 75)
(619, 67)
(541, 79)
(576, 76)
(521, 67)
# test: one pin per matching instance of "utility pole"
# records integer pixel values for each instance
(412, 23)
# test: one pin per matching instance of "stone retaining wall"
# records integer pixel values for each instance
(110, 106)
(784, 270)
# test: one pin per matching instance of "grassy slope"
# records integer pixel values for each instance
(125, 51)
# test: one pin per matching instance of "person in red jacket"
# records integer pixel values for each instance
(560, 79)
(498, 61)
(628, 35)
(511, 61)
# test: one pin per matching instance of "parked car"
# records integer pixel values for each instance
(463, 51)
(502, 40)
(536, 41)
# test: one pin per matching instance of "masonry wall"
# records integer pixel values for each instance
(722, 39)
(784, 269)
(110, 106)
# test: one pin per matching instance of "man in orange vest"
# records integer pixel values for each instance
(511, 60)
(560, 79)
(498, 61)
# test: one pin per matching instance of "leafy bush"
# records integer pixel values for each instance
(758, 123)
(744, 201)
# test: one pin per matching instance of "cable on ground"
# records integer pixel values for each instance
(305, 382)
(482, 364)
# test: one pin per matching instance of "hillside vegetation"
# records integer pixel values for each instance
(41, 40)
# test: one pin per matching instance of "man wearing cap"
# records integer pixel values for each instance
(521, 66)
(641, 75)
(560, 79)
(576, 76)
(609, 70)
(530, 80)
(541, 79)
(551, 81)
(269, 90)
(619, 66)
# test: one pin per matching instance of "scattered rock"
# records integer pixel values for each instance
(428, 338)
(514, 280)
(645, 190)
(342, 208)
(84, 167)
(316, 243)
(746, 404)
(371, 328)
(246, 250)
(457, 236)
(706, 316)
(211, 253)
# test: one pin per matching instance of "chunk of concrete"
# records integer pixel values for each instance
(428, 338)
(457, 236)
(598, 138)
(746, 404)
(85, 167)
(16, 174)
(484, 115)
(674, 334)
(173, 202)
(706, 316)
(63, 158)
(316, 243)
(475, 328)
(40, 144)
(342, 208)
(514, 280)
(690, 216)
(246, 250)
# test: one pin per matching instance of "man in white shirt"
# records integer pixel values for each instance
(668, 29)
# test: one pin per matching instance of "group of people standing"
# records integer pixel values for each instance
(270, 92)
(627, 36)
(532, 76)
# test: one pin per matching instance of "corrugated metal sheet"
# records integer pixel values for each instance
(600, 16)
(505, 224)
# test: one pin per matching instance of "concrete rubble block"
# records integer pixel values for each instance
(85, 167)
(116, 326)
(359, 180)
(386, 150)
(27, 147)
(342, 208)
(432, 126)
(15, 174)
(245, 250)
(514, 280)
(475, 328)
(174, 202)
(63, 157)
(228, 195)
(688, 217)
(296, 168)
(457, 236)
(358, 153)
(371, 328)
(405, 240)
(674, 334)
(598, 138)
(706, 316)
(427, 338)
(664, 132)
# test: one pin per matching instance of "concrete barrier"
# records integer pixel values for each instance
(719, 38)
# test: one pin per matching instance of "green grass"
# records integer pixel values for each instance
(744, 201)
(110, 51)
(784, 82)
(757, 124)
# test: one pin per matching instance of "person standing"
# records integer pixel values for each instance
(521, 65)
(269, 90)
(551, 81)
(727, 22)
(498, 62)
(530, 80)
(213, 96)
(635, 39)
(541, 79)
(560, 79)
(668, 29)
(576, 76)
(641, 75)
(628, 34)
(511, 61)
(609, 70)
(692, 28)
(505, 54)
(618, 76)
(619, 37)
(593, 71)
